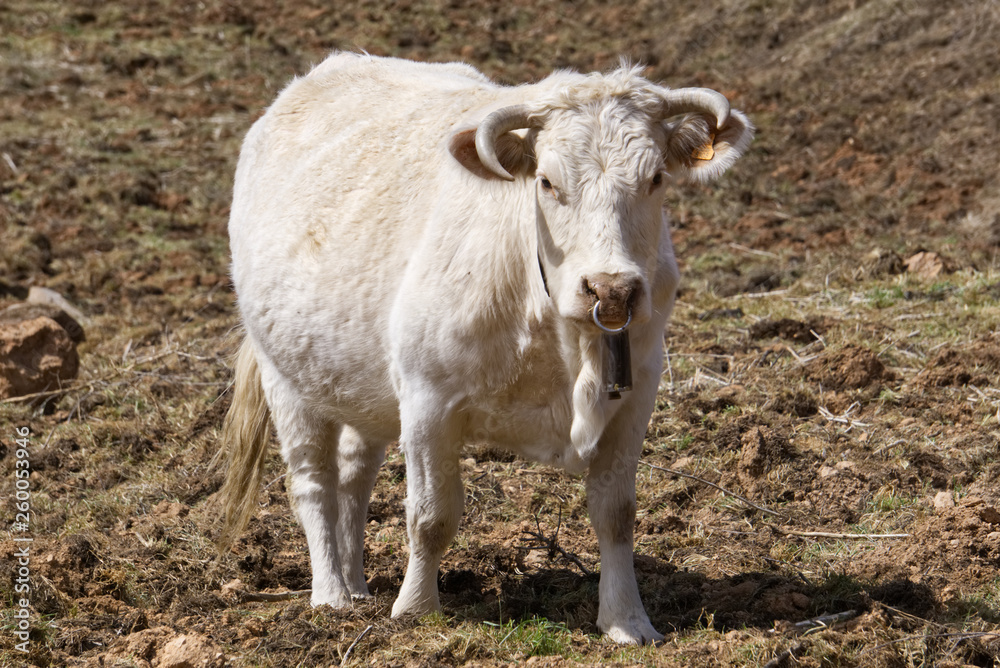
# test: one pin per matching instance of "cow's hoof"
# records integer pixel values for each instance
(639, 632)
(418, 607)
(336, 600)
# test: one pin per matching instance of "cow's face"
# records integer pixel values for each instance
(599, 185)
(599, 167)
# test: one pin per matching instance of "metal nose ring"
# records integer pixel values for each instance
(600, 325)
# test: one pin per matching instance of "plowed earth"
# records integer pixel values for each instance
(840, 394)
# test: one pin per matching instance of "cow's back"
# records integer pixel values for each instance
(333, 189)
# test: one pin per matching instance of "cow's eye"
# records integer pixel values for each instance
(546, 184)
(656, 182)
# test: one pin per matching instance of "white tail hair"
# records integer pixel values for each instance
(245, 435)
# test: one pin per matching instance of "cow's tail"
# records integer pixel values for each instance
(245, 435)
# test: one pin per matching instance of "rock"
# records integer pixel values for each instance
(38, 343)
(170, 509)
(29, 311)
(142, 644)
(35, 355)
(191, 650)
(990, 515)
(943, 500)
(761, 450)
(233, 591)
(251, 628)
(926, 264)
(40, 295)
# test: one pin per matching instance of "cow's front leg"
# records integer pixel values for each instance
(611, 501)
(434, 500)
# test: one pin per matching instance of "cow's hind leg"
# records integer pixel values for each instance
(434, 500)
(309, 448)
(358, 462)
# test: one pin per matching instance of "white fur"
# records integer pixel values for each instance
(391, 291)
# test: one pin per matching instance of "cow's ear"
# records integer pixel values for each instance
(512, 152)
(696, 150)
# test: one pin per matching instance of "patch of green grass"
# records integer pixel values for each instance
(126, 583)
(983, 604)
(712, 260)
(881, 297)
(888, 511)
(702, 631)
(832, 550)
(888, 500)
(531, 637)
(889, 396)
(683, 442)
(647, 655)
(752, 652)
(838, 589)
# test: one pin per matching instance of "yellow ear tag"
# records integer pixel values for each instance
(706, 151)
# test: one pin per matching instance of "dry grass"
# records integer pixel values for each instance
(878, 125)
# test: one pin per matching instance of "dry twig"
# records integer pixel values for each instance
(265, 597)
(789, 532)
(787, 654)
(350, 649)
(712, 484)
(799, 358)
(824, 621)
(843, 418)
(543, 542)
(912, 618)
(752, 251)
(827, 534)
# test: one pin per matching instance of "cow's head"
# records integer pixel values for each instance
(602, 152)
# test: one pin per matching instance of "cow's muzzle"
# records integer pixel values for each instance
(614, 298)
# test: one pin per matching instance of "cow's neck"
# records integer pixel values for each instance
(523, 354)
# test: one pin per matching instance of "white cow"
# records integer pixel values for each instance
(419, 254)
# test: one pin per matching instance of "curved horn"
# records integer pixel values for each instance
(494, 125)
(685, 100)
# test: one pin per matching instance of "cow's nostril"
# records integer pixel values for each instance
(616, 295)
(613, 289)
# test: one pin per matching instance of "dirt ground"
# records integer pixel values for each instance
(831, 392)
